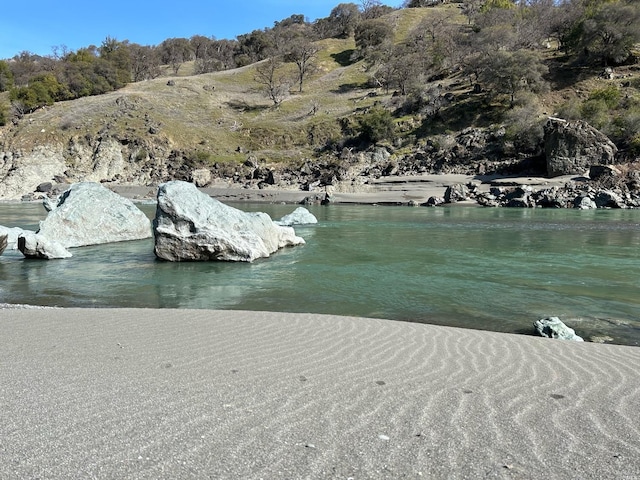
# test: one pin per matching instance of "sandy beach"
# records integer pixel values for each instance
(151, 394)
(397, 190)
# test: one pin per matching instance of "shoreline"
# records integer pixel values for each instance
(401, 190)
(143, 393)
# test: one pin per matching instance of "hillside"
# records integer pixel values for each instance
(154, 130)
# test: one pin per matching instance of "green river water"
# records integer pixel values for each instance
(492, 269)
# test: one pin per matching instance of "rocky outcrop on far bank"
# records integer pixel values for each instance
(572, 147)
(114, 159)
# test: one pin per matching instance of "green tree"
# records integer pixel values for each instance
(370, 34)
(6, 76)
(174, 52)
(609, 36)
(345, 18)
(508, 73)
(256, 46)
(118, 56)
(42, 90)
(376, 125)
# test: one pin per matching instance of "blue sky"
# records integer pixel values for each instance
(38, 25)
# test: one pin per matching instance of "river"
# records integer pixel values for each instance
(493, 269)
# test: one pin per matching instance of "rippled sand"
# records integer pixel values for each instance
(227, 394)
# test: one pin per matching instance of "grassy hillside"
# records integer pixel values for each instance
(216, 115)
(224, 116)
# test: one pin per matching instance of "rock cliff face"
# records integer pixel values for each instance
(80, 159)
(21, 173)
(149, 160)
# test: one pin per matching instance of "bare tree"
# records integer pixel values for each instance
(303, 53)
(201, 46)
(512, 72)
(275, 84)
(373, 9)
(145, 62)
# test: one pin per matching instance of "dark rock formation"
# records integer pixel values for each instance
(571, 148)
(4, 241)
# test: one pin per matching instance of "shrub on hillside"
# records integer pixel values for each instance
(524, 125)
(42, 90)
(610, 95)
(4, 114)
(323, 132)
(376, 125)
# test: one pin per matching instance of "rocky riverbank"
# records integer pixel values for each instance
(575, 169)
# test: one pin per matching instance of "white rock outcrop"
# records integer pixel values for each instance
(90, 214)
(300, 216)
(108, 161)
(189, 225)
(201, 177)
(33, 245)
(21, 173)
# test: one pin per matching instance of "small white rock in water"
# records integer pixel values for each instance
(33, 245)
(300, 216)
(12, 234)
(601, 338)
(552, 327)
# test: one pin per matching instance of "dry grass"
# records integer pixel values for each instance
(218, 115)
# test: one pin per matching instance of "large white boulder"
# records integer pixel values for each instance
(300, 216)
(90, 214)
(190, 225)
(33, 245)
